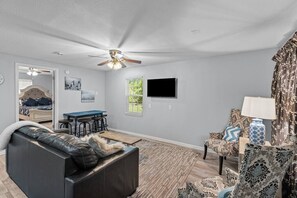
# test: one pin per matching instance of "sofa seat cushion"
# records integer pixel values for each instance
(82, 154)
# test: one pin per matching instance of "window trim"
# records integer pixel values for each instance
(127, 112)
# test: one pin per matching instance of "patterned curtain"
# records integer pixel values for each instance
(284, 90)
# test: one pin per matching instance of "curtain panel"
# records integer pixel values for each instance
(284, 90)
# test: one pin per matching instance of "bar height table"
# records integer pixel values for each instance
(81, 114)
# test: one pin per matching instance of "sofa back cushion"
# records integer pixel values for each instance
(33, 131)
(82, 154)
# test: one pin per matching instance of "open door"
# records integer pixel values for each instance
(36, 94)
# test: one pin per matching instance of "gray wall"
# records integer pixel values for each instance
(207, 90)
(42, 80)
(68, 100)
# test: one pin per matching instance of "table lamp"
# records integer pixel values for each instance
(258, 108)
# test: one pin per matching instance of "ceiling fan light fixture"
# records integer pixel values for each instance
(32, 72)
(117, 66)
(110, 65)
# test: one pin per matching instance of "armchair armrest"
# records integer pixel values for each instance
(215, 135)
(232, 177)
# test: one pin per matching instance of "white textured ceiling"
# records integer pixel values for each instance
(176, 29)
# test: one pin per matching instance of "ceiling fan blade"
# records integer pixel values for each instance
(98, 56)
(132, 61)
(103, 63)
(149, 52)
(123, 65)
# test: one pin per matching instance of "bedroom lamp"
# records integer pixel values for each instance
(258, 108)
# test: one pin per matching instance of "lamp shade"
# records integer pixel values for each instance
(258, 107)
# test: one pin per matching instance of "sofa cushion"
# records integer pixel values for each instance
(32, 131)
(102, 148)
(82, 154)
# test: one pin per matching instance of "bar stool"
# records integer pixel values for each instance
(104, 124)
(84, 122)
(97, 126)
(66, 123)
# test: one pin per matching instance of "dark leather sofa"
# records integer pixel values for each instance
(43, 171)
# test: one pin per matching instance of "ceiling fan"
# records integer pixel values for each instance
(117, 60)
(34, 72)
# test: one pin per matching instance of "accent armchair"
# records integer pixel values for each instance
(225, 148)
(261, 173)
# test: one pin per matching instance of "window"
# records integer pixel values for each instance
(134, 96)
(23, 83)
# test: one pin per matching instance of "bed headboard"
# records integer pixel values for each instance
(34, 91)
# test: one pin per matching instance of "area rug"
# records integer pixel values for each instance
(163, 168)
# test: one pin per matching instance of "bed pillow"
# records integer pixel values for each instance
(30, 102)
(102, 148)
(44, 101)
(232, 134)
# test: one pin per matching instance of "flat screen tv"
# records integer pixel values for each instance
(165, 87)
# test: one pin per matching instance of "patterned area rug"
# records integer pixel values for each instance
(163, 169)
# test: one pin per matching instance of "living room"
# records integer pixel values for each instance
(217, 53)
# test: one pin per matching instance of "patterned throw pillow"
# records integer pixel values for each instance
(262, 170)
(232, 134)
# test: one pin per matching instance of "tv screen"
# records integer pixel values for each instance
(165, 87)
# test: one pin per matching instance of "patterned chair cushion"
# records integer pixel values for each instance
(263, 171)
(208, 187)
(223, 147)
(243, 122)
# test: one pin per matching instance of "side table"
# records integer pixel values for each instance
(242, 142)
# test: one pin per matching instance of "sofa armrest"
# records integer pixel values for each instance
(215, 135)
(231, 177)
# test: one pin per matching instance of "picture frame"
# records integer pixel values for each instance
(72, 83)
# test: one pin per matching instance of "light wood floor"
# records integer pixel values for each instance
(197, 169)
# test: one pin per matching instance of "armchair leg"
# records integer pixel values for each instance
(205, 151)
(221, 160)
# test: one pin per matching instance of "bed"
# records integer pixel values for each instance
(35, 104)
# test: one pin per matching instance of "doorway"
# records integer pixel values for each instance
(36, 94)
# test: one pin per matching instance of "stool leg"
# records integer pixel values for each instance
(70, 128)
(89, 128)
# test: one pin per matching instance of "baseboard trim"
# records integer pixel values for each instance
(191, 146)
(2, 152)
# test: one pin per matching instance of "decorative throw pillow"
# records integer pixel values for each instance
(30, 102)
(263, 170)
(102, 148)
(232, 134)
(44, 101)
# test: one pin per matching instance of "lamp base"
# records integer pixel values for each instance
(257, 132)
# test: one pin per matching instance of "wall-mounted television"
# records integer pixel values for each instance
(165, 87)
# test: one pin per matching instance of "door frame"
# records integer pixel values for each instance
(55, 92)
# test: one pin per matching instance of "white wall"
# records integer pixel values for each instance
(42, 80)
(207, 90)
(68, 100)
